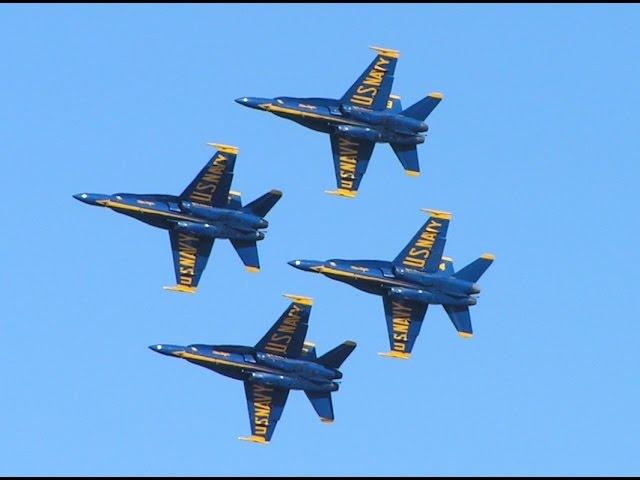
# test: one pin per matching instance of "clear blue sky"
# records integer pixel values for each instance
(534, 150)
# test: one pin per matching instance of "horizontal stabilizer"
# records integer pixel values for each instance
(473, 271)
(422, 109)
(408, 156)
(261, 205)
(322, 404)
(334, 358)
(247, 250)
(461, 319)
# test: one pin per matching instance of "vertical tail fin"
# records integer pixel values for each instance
(473, 271)
(261, 205)
(421, 110)
(334, 358)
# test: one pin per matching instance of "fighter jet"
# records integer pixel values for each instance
(207, 209)
(365, 115)
(280, 361)
(417, 277)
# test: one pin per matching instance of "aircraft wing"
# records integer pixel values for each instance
(211, 186)
(404, 320)
(265, 406)
(373, 87)
(461, 319)
(190, 256)
(286, 336)
(350, 161)
(424, 251)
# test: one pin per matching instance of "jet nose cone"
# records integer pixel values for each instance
(89, 198)
(254, 102)
(170, 350)
(306, 265)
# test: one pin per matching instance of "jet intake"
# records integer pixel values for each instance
(302, 367)
(292, 383)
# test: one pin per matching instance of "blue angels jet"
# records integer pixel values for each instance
(207, 209)
(281, 361)
(365, 115)
(417, 277)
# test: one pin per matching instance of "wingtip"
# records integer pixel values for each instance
(252, 269)
(181, 289)
(385, 52)
(465, 334)
(488, 256)
(393, 354)
(254, 439)
(412, 173)
(225, 148)
(327, 421)
(437, 95)
(299, 299)
(341, 192)
(438, 213)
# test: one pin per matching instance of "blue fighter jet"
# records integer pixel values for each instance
(280, 361)
(365, 115)
(417, 277)
(207, 209)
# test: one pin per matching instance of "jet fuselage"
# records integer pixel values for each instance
(330, 116)
(248, 364)
(384, 278)
(171, 213)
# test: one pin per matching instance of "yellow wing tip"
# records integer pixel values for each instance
(398, 355)
(394, 96)
(385, 52)
(447, 259)
(181, 289)
(438, 213)
(465, 334)
(252, 269)
(488, 256)
(254, 439)
(327, 421)
(225, 148)
(412, 173)
(342, 192)
(437, 95)
(309, 344)
(299, 299)
(233, 192)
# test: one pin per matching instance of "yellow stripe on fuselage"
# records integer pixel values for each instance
(124, 206)
(358, 276)
(294, 112)
(219, 361)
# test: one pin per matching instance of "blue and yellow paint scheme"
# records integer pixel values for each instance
(207, 209)
(419, 276)
(368, 113)
(281, 361)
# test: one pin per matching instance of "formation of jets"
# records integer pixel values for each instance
(419, 276)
